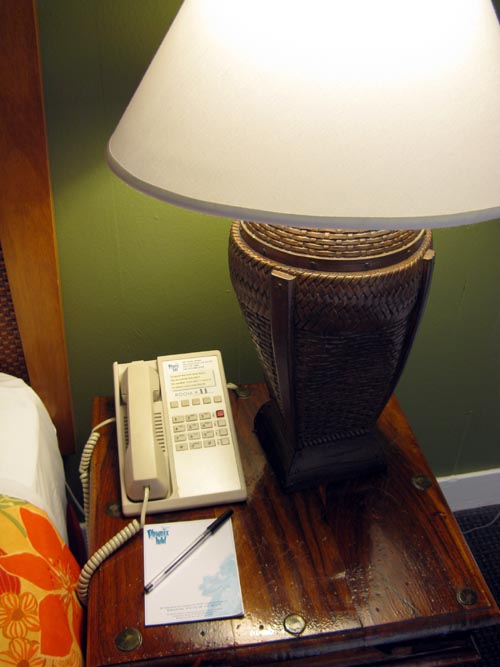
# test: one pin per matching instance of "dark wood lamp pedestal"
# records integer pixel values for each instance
(371, 572)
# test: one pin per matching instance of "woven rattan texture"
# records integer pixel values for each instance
(350, 332)
(332, 243)
(11, 350)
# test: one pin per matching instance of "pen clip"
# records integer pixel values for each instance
(215, 525)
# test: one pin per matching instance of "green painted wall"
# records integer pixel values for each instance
(141, 278)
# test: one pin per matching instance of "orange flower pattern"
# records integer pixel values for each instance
(18, 614)
(41, 619)
(22, 653)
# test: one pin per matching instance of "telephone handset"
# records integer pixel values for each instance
(176, 434)
(145, 463)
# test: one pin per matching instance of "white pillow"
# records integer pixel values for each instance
(31, 465)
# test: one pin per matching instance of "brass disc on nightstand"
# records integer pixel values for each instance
(128, 639)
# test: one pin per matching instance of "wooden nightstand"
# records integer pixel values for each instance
(373, 572)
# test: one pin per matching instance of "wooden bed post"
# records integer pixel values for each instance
(26, 215)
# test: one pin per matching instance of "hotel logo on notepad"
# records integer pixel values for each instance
(158, 535)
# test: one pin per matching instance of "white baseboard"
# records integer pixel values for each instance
(470, 490)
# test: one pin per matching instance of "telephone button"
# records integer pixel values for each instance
(192, 437)
(205, 415)
(217, 399)
(209, 443)
(174, 404)
(181, 446)
(180, 437)
(208, 434)
(177, 419)
(185, 402)
(224, 441)
(195, 445)
(205, 425)
(178, 428)
(219, 413)
(221, 422)
(193, 426)
(223, 431)
(196, 401)
(192, 417)
(206, 400)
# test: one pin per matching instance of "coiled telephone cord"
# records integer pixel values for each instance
(83, 469)
(113, 544)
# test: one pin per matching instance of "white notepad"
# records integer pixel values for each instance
(205, 586)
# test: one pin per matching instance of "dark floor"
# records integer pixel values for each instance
(484, 542)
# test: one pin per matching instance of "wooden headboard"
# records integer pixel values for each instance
(31, 297)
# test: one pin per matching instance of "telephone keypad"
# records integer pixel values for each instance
(204, 429)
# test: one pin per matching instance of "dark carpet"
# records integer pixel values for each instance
(481, 528)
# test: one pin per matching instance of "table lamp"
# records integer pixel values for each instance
(336, 134)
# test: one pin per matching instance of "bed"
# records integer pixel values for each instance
(41, 619)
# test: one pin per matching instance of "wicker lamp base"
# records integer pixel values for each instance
(332, 461)
(333, 315)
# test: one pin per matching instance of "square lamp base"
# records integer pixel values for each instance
(332, 461)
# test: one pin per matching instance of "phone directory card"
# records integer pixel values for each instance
(204, 586)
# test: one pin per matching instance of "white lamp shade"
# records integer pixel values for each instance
(325, 113)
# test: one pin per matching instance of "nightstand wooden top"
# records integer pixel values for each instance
(362, 573)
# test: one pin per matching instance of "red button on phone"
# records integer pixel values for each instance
(219, 413)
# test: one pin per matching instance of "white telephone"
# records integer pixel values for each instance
(176, 434)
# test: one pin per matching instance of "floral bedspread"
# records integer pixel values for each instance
(41, 620)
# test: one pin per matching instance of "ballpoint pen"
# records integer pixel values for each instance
(209, 530)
